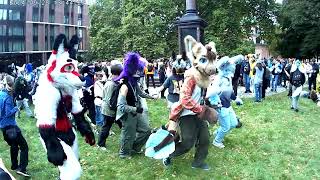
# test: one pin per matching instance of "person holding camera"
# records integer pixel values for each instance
(11, 132)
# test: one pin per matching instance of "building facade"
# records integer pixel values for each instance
(28, 28)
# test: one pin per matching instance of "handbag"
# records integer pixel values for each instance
(12, 133)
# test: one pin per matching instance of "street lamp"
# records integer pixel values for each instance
(190, 24)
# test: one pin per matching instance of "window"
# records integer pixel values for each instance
(41, 12)
(66, 31)
(35, 13)
(52, 33)
(3, 1)
(15, 15)
(2, 46)
(80, 9)
(46, 37)
(51, 11)
(35, 30)
(16, 30)
(80, 34)
(72, 14)
(3, 30)
(35, 37)
(66, 13)
(16, 45)
(3, 14)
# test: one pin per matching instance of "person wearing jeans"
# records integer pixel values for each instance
(21, 96)
(98, 91)
(245, 71)
(258, 80)
(11, 132)
(297, 79)
(276, 72)
(109, 116)
(275, 82)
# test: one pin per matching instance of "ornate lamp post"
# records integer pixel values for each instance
(190, 24)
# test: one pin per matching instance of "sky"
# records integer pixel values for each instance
(279, 1)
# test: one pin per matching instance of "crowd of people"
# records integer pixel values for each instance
(114, 93)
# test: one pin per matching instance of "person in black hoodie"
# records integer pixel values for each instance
(297, 79)
(236, 78)
(313, 76)
(245, 71)
(162, 78)
(266, 80)
(20, 95)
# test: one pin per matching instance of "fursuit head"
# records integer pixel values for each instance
(203, 60)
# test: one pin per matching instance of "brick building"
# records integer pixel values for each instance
(28, 28)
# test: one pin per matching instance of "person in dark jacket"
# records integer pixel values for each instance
(245, 71)
(21, 95)
(162, 78)
(266, 80)
(236, 78)
(313, 76)
(297, 79)
(88, 92)
(11, 132)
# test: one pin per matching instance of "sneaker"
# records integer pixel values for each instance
(14, 168)
(22, 173)
(291, 107)
(202, 166)
(125, 156)
(218, 145)
(102, 148)
(296, 110)
(166, 161)
(135, 152)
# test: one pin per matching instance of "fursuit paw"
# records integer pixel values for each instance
(209, 114)
(56, 155)
(90, 139)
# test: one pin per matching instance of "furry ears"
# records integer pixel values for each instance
(60, 44)
(194, 49)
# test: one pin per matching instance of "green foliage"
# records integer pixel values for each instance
(148, 26)
(300, 22)
(274, 143)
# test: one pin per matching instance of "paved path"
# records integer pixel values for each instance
(241, 91)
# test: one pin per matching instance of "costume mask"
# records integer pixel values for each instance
(202, 57)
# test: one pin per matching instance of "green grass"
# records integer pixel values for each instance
(274, 143)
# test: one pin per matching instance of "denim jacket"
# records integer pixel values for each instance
(7, 110)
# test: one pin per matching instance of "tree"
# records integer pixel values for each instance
(148, 26)
(300, 22)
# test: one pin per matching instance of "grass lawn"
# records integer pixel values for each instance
(274, 143)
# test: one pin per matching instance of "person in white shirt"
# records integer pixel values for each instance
(98, 91)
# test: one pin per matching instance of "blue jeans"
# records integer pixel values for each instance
(227, 121)
(246, 78)
(258, 91)
(99, 116)
(275, 82)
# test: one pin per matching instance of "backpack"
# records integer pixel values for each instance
(297, 78)
(114, 97)
(150, 68)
